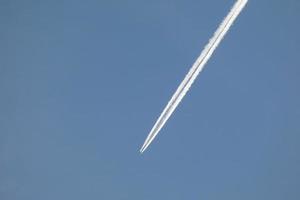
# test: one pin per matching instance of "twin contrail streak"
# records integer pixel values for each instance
(194, 71)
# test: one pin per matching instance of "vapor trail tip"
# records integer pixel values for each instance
(142, 150)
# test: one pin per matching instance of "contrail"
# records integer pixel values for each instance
(194, 71)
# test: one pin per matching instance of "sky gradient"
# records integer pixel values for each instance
(82, 83)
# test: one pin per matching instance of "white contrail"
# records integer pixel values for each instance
(194, 71)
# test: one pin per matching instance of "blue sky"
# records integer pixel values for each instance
(82, 83)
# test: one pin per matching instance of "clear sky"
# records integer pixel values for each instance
(82, 83)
